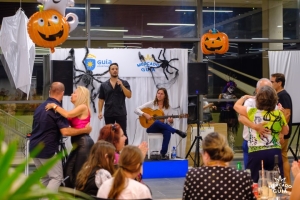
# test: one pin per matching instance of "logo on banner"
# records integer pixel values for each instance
(90, 62)
(103, 63)
(149, 62)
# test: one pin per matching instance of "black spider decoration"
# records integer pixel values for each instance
(87, 77)
(165, 64)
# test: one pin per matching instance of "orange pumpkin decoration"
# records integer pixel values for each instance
(48, 28)
(214, 42)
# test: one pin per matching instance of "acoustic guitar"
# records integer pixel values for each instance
(156, 115)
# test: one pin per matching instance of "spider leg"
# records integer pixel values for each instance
(173, 59)
(162, 54)
(86, 54)
(101, 74)
(173, 67)
(78, 70)
(141, 57)
(167, 69)
(96, 80)
(79, 78)
(155, 59)
(91, 96)
(165, 74)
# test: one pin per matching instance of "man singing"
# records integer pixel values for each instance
(113, 92)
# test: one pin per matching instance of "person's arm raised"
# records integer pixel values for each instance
(238, 106)
(66, 114)
(126, 91)
(73, 131)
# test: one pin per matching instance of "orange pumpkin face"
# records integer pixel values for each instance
(48, 28)
(214, 43)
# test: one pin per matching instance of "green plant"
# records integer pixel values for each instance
(14, 185)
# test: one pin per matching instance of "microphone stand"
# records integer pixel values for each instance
(197, 139)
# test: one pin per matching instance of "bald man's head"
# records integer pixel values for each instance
(57, 89)
(263, 82)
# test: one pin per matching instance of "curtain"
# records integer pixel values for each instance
(287, 63)
(143, 90)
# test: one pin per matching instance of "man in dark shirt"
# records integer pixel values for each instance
(47, 128)
(278, 81)
(113, 92)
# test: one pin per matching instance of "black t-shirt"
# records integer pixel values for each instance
(46, 129)
(285, 100)
(114, 98)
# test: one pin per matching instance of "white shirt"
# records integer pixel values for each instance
(151, 105)
(133, 190)
(251, 102)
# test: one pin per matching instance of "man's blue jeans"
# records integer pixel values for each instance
(245, 153)
(166, 130)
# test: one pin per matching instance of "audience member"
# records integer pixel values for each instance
(122, 185)
(98, 168)
(244, 120)
(78, 118)
(295, 195)
(47, 129)
(215, 180)
(113, 134)
(263, 146)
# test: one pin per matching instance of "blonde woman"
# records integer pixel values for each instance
(123, 185)
(78, 117)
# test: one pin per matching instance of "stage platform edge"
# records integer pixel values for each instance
(165, 168)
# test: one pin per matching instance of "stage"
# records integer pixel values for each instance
(165, 168)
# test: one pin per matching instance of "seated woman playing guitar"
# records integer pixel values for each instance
(159, 105)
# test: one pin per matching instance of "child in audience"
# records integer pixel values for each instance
(98, 168)
(122, 185)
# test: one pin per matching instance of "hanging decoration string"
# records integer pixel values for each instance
(214, 14)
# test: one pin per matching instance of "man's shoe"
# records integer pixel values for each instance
(164, 157)
(181, 133)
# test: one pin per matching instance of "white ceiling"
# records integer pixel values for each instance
(210, 3)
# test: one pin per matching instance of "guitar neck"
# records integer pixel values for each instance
(167, 116)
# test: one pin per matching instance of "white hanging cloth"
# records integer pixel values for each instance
(18, 50)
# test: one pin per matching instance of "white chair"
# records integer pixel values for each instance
(157, 136)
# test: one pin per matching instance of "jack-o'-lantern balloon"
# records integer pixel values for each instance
(48, 28)
(214, 42)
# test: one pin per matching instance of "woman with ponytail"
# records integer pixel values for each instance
(122, 185)
(216, 179)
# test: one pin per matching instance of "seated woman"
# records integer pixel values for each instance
(263, 146)
(113, 134)
(295, 195)
(79, 117)
(161, 102)
(216, 179)
(98, 168)
(122, 185)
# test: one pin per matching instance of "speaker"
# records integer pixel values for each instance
(193, 109)
(62, 71)
(197, 78)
